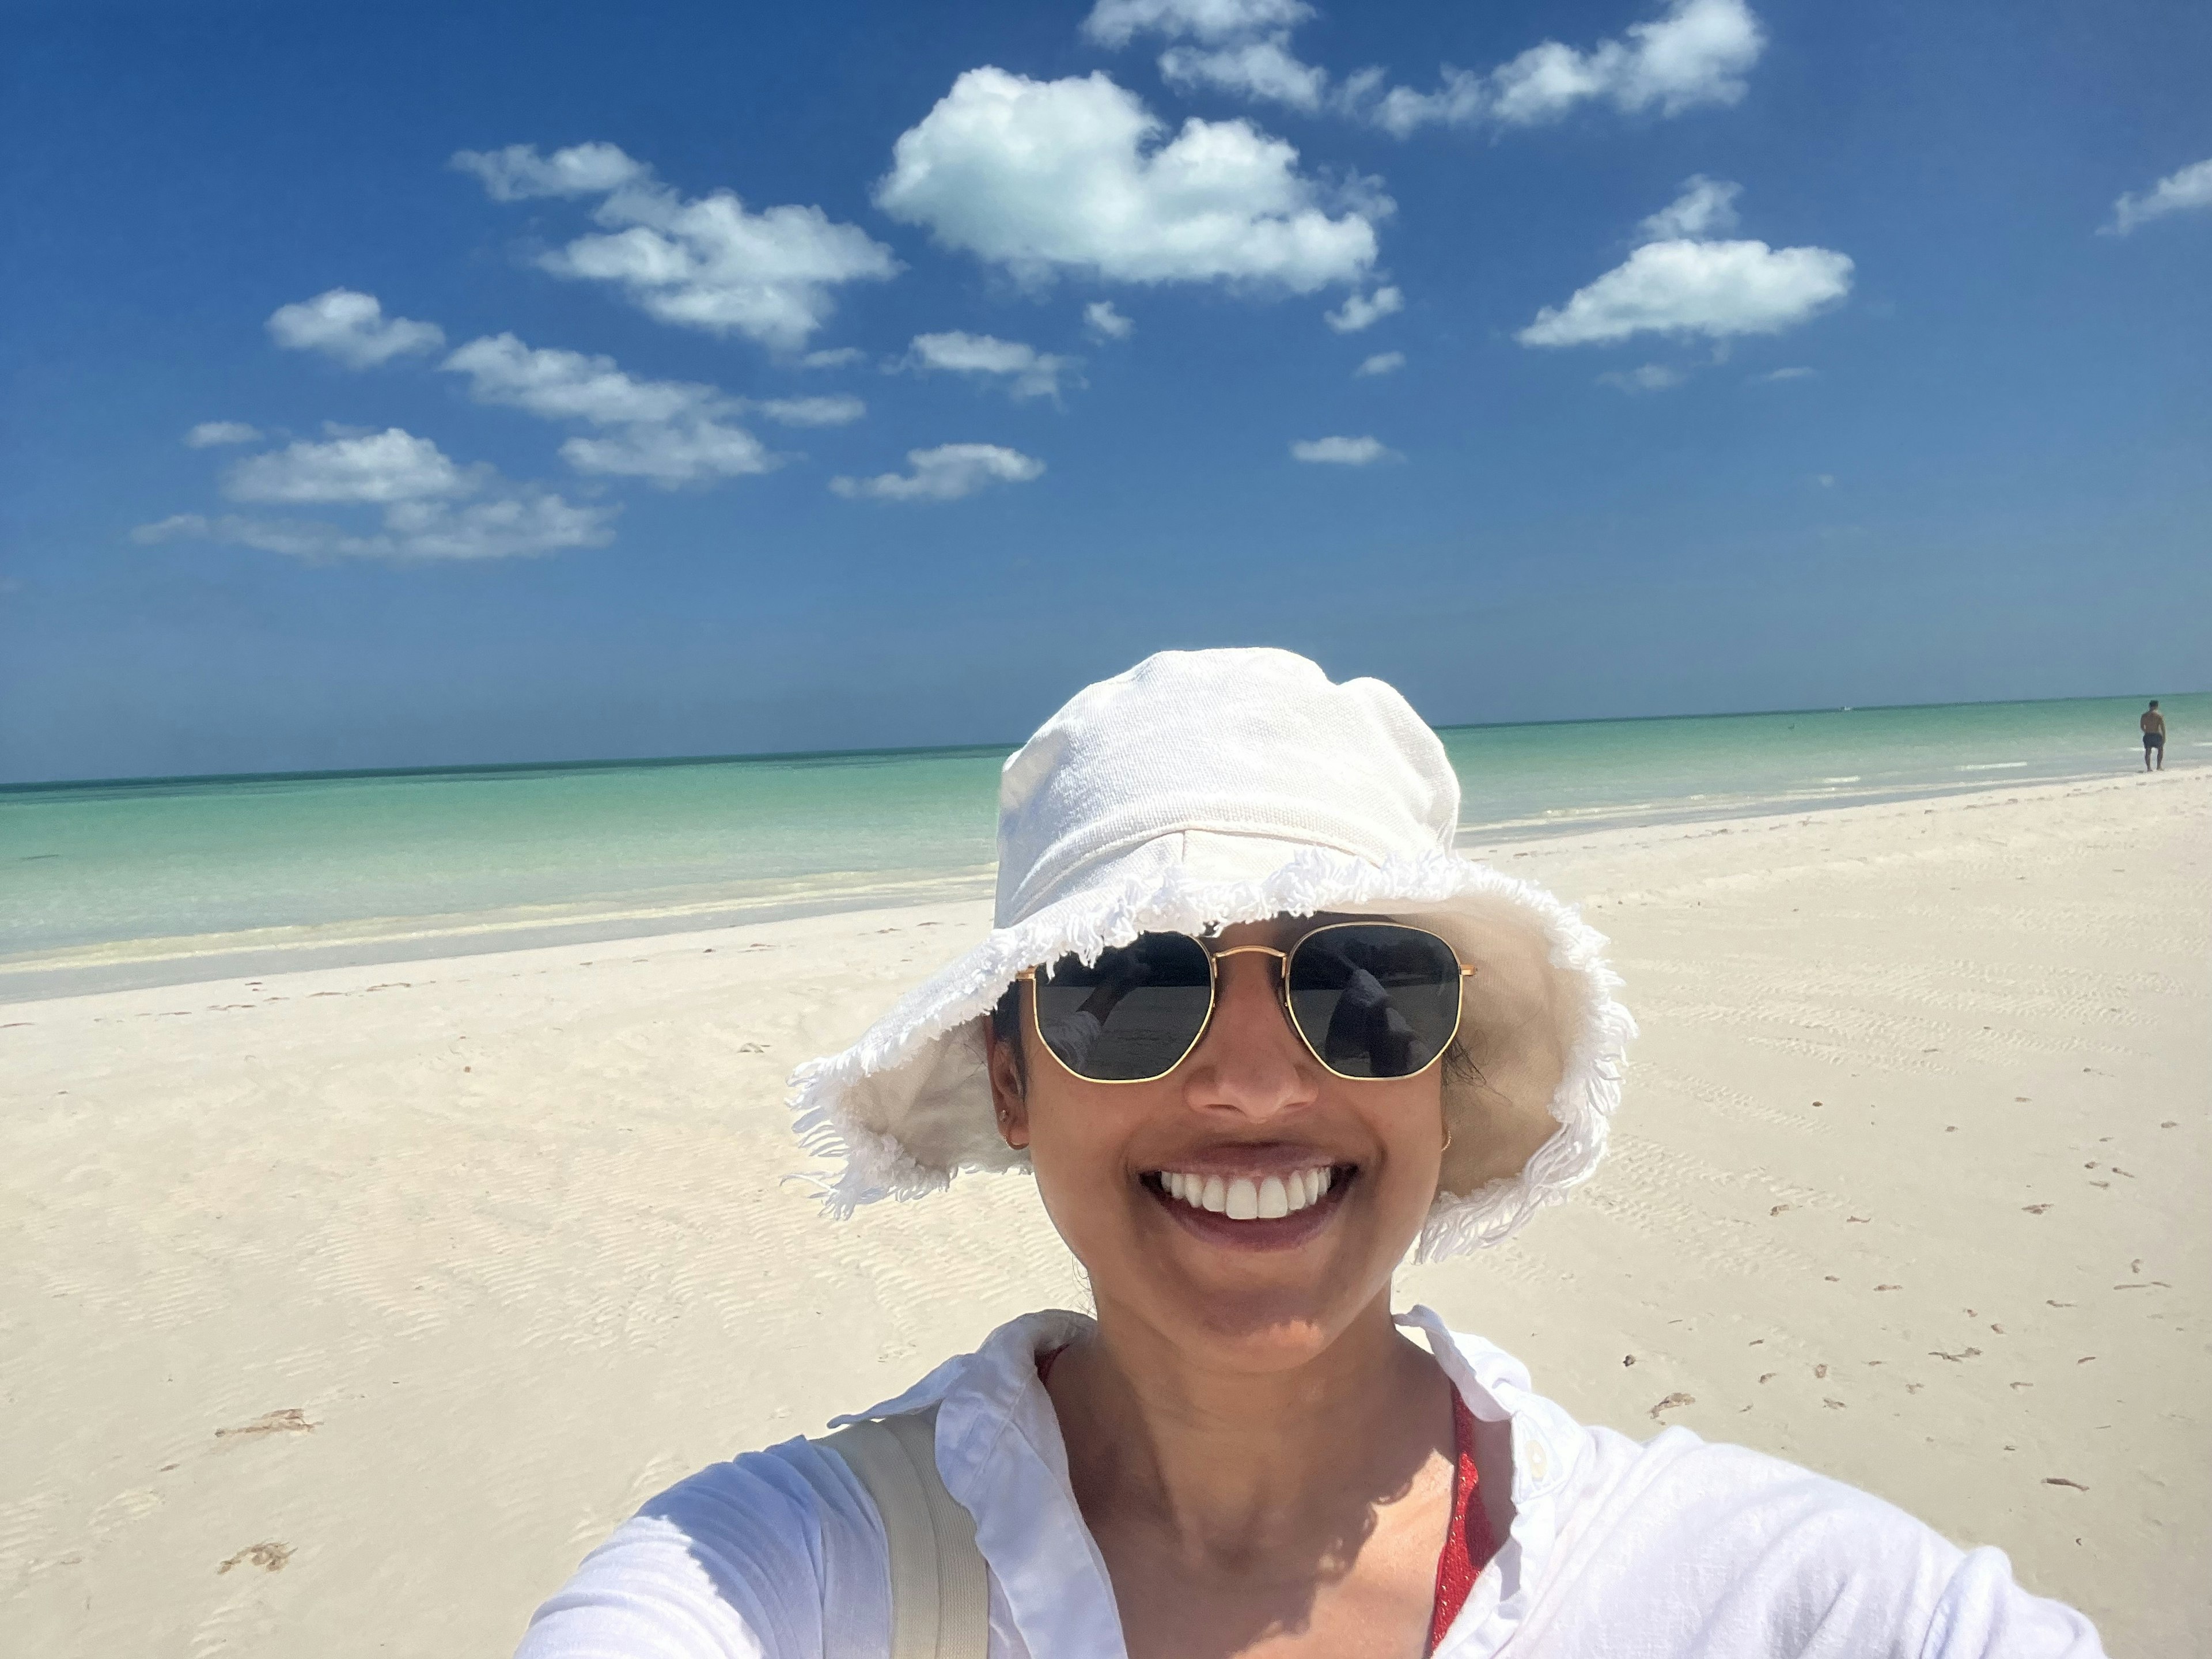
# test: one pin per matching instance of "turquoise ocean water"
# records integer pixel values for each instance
(154, 880)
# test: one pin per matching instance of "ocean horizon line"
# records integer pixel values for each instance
(797, 756)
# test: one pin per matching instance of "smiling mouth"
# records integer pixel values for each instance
(1246, 1198)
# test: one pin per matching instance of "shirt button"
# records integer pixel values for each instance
(1539, 1465)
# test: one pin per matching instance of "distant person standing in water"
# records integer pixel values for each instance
(2154, 730)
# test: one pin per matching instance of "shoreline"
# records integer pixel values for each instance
(203, 958)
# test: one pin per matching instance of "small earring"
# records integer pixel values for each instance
(1447, 1145)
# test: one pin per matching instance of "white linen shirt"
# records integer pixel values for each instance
(1670, 1549)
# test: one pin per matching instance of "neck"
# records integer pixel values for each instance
(1224, 1465)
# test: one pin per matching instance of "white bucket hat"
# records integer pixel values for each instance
(1204, 789)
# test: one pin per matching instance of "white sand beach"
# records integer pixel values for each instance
(343, 1310)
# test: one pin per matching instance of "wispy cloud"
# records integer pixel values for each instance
(351, 327)
(1795, 372)
(1705, 207)
(839, 410)
(1024, 370)
(1104, 323)
(945, 474)
(2180, 191)
(1343, 451)
(1382, 362)
(669, 432)
(429, 506)
(703, 262)
(518, 172)
(1648, 376)
(1361, 311)
(1696, 53)
(207, 434)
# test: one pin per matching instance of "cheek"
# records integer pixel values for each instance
(1078, 1150)
(1407, 1120)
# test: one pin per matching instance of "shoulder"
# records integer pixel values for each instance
(1718, 1549)
(774, 1555)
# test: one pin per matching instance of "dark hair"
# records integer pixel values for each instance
(1006, 1027)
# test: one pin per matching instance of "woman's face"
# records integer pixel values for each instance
(1250, 1104)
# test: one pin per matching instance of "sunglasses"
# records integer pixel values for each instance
(1368, 998)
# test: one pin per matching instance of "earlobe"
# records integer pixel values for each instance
(1008, 1105)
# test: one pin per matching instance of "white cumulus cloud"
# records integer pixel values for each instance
(1714, 289)
(945, 474)
(703, 262)
(351, 327)
(392, 465)
(1683, 285)
(209, 433)
(1382, 362)
(1076, 174)
(1342, 451)
(2177, 192)
(1360, 310)
(1025, 371)
(1105, 323)
(572, 385)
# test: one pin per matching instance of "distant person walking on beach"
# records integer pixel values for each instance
(2154, 730)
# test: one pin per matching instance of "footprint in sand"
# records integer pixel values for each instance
(1670, 1403)
(269, 1557)
(290, 1420)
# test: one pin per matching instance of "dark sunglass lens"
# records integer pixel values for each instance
(1374, 1000)
(1129, 1016)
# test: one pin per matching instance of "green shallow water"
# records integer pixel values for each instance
(417, 863)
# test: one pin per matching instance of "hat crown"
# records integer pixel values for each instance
(1255, 743)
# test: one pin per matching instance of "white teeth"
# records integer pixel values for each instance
(1247, 1198)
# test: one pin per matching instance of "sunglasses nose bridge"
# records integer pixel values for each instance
(1278, 984)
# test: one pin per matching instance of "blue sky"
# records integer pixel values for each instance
(425, 385)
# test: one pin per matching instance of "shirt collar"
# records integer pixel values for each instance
(1000, 1451)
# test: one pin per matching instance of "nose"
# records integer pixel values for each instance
(1251, 1062)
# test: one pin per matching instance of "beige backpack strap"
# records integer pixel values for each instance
(940, 1589)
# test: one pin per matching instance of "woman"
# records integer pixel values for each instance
(1259, 1032)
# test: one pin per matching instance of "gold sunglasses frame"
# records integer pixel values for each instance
(1213, 959)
